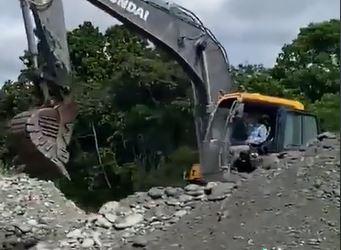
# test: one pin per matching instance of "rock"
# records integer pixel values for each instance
(172, 192)
(270, 162)
(217, 197)
(173, 220)
(319, 193)
(220, 191)
(192, 204)
(196, 192)
(326, 135)
(158, 212)
(317, 183)
(209, 186)
(96, 237)
(127, 235)
(75, 234)
(129, 221)
(155, 193)
(40, 246)
(327, 146)
(24, 228)
(193, 187)
(92, 217)
(311, 151)
(109, 207)
(140, 241)
(172, 202)
(32, 222)
(175, 245)
(180, 213)
(150, 205)
(336, 192)
(185, 198)
(223, 215)
(103, 222)
(198, 198)
(250, 242)
(110, 217)
(246, 175)
(87, 243)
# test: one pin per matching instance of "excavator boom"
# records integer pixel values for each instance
(169, 26)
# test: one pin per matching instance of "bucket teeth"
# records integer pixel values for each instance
(40, 139)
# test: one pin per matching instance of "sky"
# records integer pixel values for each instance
(252, 31)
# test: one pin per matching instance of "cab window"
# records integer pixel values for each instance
(292, 132)
(309, 128)
(299, 129)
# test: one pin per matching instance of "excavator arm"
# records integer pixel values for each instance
(169, 26)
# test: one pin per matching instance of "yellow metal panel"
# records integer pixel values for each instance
(263, 99)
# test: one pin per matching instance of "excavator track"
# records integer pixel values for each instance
(40, 138)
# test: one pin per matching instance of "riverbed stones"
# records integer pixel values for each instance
(25, 199)
(129, 221)
(172, 192)
(326, 135)
(156, 192)
(111, 217)
(209, 186)
(221, 191)
(180, 213)
(270, 162)
(172, 202)
(109, 207)
(103, 222)
(140, 241)
(185, 198)
(193, 188)
(88, 242)
(75, 234)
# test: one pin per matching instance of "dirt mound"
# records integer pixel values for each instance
(292, 202)
(295, 206)
(31, 210)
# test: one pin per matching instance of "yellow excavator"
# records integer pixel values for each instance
(290, 127)
(42, 134)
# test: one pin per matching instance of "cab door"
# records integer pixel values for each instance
(297, 129)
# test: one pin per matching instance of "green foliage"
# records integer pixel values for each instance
(257, 79)
(132, 94)
(309, 66)
(15, 97)
(169, 172)
(328, 111)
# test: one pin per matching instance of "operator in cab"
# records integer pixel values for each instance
(259, 131)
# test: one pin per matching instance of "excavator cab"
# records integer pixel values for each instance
(289, 127)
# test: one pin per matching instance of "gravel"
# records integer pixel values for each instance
(291, 202)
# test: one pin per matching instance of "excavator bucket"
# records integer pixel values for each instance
(40, 138)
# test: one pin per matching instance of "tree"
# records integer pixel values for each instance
(257, 79)
(328, 111)
(130, 93)
(309, 66)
